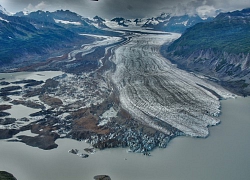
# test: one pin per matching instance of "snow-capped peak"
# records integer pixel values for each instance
(164, 15)
(97, 18)
(3, 11)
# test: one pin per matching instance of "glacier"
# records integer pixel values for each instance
(154, 91)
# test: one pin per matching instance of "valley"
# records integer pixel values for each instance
(115, 92)
(110, 89)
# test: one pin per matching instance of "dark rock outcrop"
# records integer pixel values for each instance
(3, 114)
(8, 133)
(45, 142)
(4, 83)
(7, 121)
(4, 107)
(51, 101)
(10, 88)
(102, 177)
(6, 98)
(6, 176)
(30, 104)
(28, 82)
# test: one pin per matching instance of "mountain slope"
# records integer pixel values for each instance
(66, 19)
(70, 21)
(31, 36)
(219, 48)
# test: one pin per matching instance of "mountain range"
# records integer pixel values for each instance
(40, 33)
(164, 22)
(22, 37)
(215, 47)
(75, 22)
(70, 20)
(67, 19)
(168, 23)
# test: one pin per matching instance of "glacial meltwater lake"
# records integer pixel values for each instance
(224, 155)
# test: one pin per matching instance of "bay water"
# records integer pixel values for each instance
(225, 154)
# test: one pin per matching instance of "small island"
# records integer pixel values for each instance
(102, 177)
(6, 176)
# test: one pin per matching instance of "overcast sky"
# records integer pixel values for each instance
(128, 8)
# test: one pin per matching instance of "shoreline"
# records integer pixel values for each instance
(168, 162)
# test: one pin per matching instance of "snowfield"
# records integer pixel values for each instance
(153, 90)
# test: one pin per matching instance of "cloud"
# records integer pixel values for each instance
(149, 8)
(206, 11)
(129, 8)
(189, 7)
(40, 6)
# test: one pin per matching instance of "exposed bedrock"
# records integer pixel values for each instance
(155, 92)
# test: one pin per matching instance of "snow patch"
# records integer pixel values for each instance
(1, 19)
(26, 13)
(106, 116)
(184, 23)
(154, 22)
(67, 22)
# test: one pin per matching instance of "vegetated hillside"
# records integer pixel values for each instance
(21, 36)
(219, 48)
